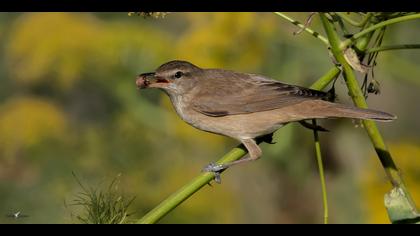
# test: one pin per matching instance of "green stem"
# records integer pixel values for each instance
(349, 19)
(326, 79)
(358, 98)
(363, 42)
(393, 47)
(200, 181)
(321, 172)
(189, 189)
(353, 22)
(307, 29)
(319, 84)
(374, 27)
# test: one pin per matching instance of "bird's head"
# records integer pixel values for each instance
(175, 77)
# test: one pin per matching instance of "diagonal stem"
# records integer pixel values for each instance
(189, 189)
(303, 27)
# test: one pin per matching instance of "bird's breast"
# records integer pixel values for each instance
(181, 107)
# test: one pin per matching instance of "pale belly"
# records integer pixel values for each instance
(242, 126)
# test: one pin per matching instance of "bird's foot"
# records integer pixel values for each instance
(216, 169)
(213, 167)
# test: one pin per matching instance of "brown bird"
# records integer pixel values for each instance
(243, 106)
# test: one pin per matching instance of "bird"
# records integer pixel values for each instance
(243, 106)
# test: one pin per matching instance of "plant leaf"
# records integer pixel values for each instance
(353, 60)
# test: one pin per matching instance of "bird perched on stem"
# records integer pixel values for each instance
(243, 106)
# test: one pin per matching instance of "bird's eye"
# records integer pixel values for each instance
(178, 74)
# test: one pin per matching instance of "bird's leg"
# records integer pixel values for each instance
(254, 152)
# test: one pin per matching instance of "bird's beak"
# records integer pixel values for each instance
(150, 80)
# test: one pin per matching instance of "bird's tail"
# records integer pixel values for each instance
(339, 110)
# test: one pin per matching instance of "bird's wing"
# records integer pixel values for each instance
(247, 93)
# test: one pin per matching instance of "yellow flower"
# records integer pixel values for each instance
(61, 48)
(232, 40)
(26, 121)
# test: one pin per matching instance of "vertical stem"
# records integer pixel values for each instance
(358, 98)
(319, 85)
(321, 173)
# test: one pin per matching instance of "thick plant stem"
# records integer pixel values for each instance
(200, 181)
(358, 98)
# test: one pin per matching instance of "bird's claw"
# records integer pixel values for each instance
(217, 178)
(216, 169)
(213, 167)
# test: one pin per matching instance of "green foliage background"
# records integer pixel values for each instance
(68, 102)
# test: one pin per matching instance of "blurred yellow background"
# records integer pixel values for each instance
(68, 102)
